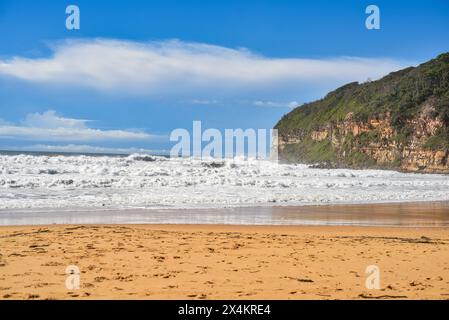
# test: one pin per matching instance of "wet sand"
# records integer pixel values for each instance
(223, 262)
(411, 214)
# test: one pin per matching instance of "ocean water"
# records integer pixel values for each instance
(49, 181)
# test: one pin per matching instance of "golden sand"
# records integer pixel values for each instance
(223, 262)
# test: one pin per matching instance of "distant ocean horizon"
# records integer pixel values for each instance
(162, 153)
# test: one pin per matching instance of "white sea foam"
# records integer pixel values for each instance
(30, 181)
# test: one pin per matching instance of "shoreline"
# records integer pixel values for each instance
(227, 227)
(392, 214)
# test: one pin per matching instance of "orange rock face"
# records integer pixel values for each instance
(382, 143)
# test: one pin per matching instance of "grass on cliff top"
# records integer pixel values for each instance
(401, 93)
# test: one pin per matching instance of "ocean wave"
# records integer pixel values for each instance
(31, 181)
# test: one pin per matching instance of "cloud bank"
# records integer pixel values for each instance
(174, 67)
(50, 119)
(48, 126)
(276, 104)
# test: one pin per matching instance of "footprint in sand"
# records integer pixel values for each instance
(100, 279)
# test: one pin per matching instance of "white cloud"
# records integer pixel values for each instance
(203, 101)
(293, 104)
(48, 126)
(49, 119)
(172, 67)
(68, 134)
(264, 103)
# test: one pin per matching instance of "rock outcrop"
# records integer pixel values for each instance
(398, 122)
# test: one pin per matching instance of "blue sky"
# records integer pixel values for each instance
(138, 69)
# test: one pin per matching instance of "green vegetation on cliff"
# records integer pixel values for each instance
(400, 97)
(311, 151)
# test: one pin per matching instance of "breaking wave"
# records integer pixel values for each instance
(142, 181)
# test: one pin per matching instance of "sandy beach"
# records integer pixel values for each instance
(223, 262)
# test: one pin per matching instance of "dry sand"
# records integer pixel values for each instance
(223, 262)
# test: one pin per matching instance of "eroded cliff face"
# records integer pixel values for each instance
(373, 143)
(400, 121)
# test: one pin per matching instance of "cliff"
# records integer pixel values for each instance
(400, 122)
